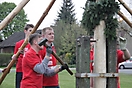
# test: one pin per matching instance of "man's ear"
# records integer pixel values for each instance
(43, 36)
(25, 31)
(35, 42)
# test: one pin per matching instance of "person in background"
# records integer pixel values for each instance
(27, 29)
(91, 59)
(123, 54)
(53, 81)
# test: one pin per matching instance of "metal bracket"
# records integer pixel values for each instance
(102, 75)
(79, 44)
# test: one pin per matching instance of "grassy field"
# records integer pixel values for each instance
(66, 80)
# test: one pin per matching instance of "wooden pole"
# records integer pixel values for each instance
(26, 41)
(61, 62)
(14, 12)
(126, 7)
(83, 61)
(111, 62)
(100, 55)
(124, 18)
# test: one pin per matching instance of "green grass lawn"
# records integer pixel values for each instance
(66, 80)
(126, 80)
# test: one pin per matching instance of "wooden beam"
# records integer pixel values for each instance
(111, 62)
(125, 6)
(14, 12)
(124, 18)
(83, 61)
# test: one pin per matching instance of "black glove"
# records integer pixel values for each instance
(49, 51)
(63, 67)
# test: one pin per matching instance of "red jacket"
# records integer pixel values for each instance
(31, 79)
(50, 81)
(19, 60)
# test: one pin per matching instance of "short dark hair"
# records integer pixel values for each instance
(91, 37)
(27, 26)
(33, 37)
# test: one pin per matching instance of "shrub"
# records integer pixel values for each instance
(5, 58)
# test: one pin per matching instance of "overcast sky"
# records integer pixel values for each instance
(35, 8)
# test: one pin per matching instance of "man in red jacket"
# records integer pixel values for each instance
(122, 54)
(52, 81)
(27, 29)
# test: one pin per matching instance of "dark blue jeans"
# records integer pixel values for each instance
(51, 87)
(18, 79)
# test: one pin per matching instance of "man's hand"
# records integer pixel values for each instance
(63, 67)
(5, 70)
(49, 51)
(14, 57)
(123, 43)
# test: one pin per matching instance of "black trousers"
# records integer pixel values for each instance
(18, 79)
(51, 87)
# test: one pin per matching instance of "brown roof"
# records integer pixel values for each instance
(11, 40)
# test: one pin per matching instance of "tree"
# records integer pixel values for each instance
(84, 21)
(65, 40)
(66, 32)
(101, 10)
(67, 12)
(16, 24)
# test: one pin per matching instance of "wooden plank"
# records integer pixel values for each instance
(83, 62)
(111, 62)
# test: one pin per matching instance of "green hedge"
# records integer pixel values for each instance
(5, 58)
(72, 66)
